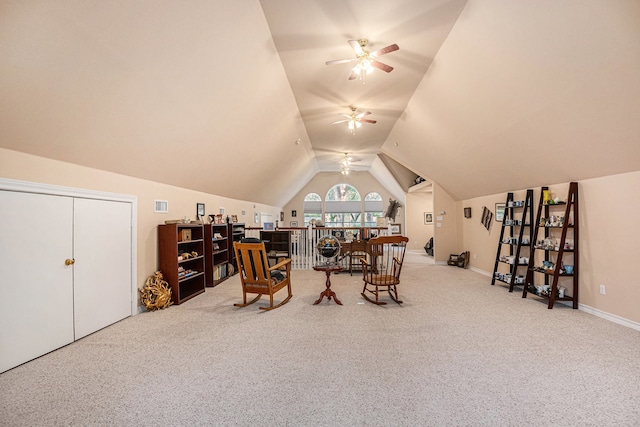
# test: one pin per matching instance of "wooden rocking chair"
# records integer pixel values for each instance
(257, 277)
(381, 272)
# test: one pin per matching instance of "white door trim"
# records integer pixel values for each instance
(57, 190)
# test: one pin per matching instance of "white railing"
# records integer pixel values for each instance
(304, 242)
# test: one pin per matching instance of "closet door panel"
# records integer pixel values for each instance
(36, 307)
(102, 249)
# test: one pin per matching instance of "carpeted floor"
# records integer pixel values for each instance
(458, 352)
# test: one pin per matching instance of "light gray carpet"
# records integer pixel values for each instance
(458, 352)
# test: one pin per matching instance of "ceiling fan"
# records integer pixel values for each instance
(347, 164)
(355, 119)
(366, 61)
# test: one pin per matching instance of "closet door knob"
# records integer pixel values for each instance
(69, 261)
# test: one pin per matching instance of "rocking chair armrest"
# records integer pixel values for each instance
(281, 264)
(364, 261)
(396, 260)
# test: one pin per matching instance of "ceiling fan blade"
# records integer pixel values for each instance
(356, 46)
(361, 115)
(368, 121)
(379, 65)
(380, 52)
(353, 75)
(340, 121)
(340, 61)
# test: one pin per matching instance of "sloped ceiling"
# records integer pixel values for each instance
(191, 94)
(222, 97)
(524, 94)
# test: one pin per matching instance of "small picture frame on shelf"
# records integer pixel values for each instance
(234, 218)
(268, 226)
(396, 228)
(500, 207)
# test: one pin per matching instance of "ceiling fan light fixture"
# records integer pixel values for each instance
(354, 124)
(363, 67)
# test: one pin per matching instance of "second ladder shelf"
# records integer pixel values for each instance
(516, 234)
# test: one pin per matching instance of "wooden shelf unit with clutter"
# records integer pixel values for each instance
(516, 234)
(555, 248)
(217, 253)
(181, 253)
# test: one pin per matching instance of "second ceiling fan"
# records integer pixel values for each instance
(355, 119)
(366, 61)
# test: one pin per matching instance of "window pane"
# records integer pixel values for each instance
(342, 219)
(308, 216)
(343, 192)
(370, 218)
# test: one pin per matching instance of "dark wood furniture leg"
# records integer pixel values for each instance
(328, 292)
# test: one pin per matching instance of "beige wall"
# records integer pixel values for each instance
(323, 182)
(418, 232)
(182, 202)
(446, 237)
(608, 242)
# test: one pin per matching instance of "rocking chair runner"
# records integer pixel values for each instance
(381, 272)
(257, 277)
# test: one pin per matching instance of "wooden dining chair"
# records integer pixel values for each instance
(257, 277)
(357, 251)
(382, 267)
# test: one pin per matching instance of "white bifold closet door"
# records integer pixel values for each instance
(36, 287)
(102, 269)
(65, 271)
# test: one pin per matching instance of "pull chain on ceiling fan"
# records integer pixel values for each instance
(355, 120)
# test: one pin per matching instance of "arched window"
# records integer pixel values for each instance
(312, 208)
(343, 207)
(373, 209)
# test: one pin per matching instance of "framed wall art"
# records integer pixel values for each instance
(199, 210)
(428, 218)
(500, 211)
(486, 217)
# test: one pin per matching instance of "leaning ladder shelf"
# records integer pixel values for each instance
(513, 236)
(555, 251)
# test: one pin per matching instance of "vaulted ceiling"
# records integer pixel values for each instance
(223, 97)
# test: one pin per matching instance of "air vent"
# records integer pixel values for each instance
(161, 206)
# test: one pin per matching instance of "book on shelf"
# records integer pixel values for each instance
(220, 272)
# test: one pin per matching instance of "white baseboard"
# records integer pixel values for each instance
(587, 309)
(477, 270)
(610, 317)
